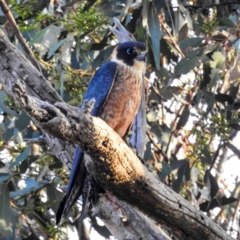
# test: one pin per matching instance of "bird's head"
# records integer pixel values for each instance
(131, 54)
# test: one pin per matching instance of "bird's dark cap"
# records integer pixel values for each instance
(139, 45)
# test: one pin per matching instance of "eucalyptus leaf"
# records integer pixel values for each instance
(177, 164)
(183, 175)
(31, 185)
(214, 78)
(102, 57)
(4, 177)
(225, 21)
(154, 32)
(38, 36)
(22, 156)
(188, 63)
(220, 97)
(22, 121)
(211, 184)
(166, 170)
(8, 134)
(217, 202)
(5, 108)
(195, 42)
(183, 118)
(210, 99)
(55, 48)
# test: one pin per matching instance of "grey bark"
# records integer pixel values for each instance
(14, 65)
(113, 164)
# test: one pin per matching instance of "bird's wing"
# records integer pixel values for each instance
(99, 89)
(100, 86)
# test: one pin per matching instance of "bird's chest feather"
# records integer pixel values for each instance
(123, 101)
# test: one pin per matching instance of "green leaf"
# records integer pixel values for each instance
(177, 164)
(218, 60)
(206, 158)
(166, 170)
(214, 78)
(32, 185)
(165, 134)
(209, 99)
(22, 156)
(38, 36)
(195, 42)
(22, 122)
(222, 98)
(225, 21)
(4, 108)
(154, 32)
(210, 49)
(211, 184)
(147, 153)
(170, 91)
(102, 57)
(5, 226)
(183, 118)
(8, 134)
(183, 176)
(55, 48)
(4, 177)
(217, 202)
(17, 136)
(187, 64)
(25, 164)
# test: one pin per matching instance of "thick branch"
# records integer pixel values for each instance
(115, 166)
(14, 65)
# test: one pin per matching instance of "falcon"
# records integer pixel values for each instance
(117, 89)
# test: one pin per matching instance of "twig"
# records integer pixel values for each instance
(170, 39)
(19, 35)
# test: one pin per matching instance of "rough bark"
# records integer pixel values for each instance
(14, 65)
(113, 164)
(116, 167)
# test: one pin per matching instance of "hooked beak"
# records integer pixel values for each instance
(141, 57)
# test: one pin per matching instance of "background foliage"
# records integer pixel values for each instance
(192, 110)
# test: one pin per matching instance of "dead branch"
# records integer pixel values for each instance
(115, 166)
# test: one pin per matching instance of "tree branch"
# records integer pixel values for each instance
(115, 166)
(14, 65)
(19, 35)
(111, 162)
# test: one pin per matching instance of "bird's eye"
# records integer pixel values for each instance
(131, 51)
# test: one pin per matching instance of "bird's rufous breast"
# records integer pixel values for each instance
(123, 101)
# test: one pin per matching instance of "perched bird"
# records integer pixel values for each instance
(117, 90)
